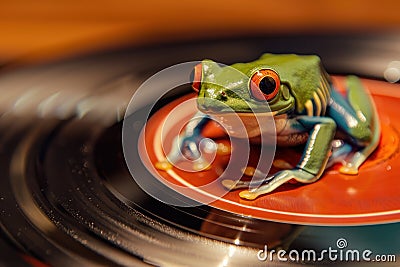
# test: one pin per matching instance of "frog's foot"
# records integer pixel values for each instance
(184, 148)
(258, 179)
(351, 167)
(198, 165)
(233, 185)
(340, 151)
(201, 165)
(172, 158)
(277, 180)
(348, 169)
(163, 165)
(253, 172)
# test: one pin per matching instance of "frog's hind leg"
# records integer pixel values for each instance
(358, 118)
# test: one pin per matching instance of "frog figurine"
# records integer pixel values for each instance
(306, 108)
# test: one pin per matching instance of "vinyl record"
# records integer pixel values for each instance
(67, 196)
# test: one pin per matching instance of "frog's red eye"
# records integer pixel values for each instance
(264, 84)
(195, 77)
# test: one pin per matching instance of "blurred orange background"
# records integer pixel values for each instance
(34, 31)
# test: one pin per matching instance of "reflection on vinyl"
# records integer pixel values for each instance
(67, 196)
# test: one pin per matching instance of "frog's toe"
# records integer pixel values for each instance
(348, 169)
(282, 164)
(229, 184)
(163, 165)
(223, 149)
(248, 171)
(249, 195)
(232, 185)
(253, 172)
(201, 165)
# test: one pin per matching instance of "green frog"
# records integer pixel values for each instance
(297, 92)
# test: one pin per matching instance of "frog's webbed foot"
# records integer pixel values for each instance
(233, 185)
(185, 148)
(172, 158)
(340, 151)
(268, 184)
(259, 180)
(278, 179)
(351, 167)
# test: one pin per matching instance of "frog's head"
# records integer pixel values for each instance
(242, 88)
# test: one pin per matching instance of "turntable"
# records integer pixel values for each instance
(68, 197)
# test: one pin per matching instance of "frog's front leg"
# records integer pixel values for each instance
(314, 159)
(186, 145)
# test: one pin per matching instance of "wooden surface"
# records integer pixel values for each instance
(42, 30)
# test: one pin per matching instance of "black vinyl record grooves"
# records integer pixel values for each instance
(67, 197)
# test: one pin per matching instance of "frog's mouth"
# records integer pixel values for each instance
(250, 125)
(244, 119)
(243, 107)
